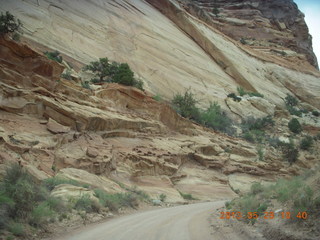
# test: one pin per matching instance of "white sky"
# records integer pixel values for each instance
(311, 9)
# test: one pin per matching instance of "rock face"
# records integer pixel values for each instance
(273, 26)
(114, 133)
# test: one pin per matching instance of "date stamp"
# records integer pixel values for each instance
(264, 215)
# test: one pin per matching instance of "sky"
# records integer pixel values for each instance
(311, 10)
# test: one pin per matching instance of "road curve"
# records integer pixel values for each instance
(187, 222)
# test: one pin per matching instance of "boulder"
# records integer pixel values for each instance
(56, 127)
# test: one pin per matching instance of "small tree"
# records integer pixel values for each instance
(8, 23)
(185, 105)
(124, 75)
(306, 143)
(55, 56)
(295, 126)
(215, 11)
(291, 100)
(100, 68)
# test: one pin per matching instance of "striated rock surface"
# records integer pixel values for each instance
(114, 133)
(276, 27)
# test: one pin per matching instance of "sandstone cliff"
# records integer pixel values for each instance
(273, 27)
(121, 133)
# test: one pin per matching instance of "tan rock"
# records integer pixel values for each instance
(56, 127)
(91, 179)
(67, 192)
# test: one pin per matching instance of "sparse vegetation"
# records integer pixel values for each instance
(55, 56)
(315, 113)
(295, 126)
(157, 97)
(292, 105)
(85, 85)
(185, 105)
(50, 183)
(162, 197)
(253, 129)
(289, 151)
(243, 92)
(113, 72)
(118, 200)
(294, 193)
(8, 23)
(306, 143)
(67, 75)
(187, 196)
(234, 97)
(213, 117)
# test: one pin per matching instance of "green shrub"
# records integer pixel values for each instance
(8, 23)
(114, 72)
(54, 56)
(67, 75)
(306, 143)
(40, 214)
(289, 151)
(243, 92)
(157, 97)
(234, 97)
(187, 196)
(291, 100)
(260, 153)
(216, 11)
(256, 188)
(86, 204)
(253, 129)
(185, 105)
(16, 229)
(162, 197)
(85, 85)
(295, 126)
(16, 37)
(115, 201)
(315, 113)
(215, 118)
(51, 183)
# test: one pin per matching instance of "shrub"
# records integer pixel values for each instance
(8, 23)
(215, 118)
(243, 41)
(114, 72)
(115, 201)
(19, 186)
(187, 196)
(291, 100)
(295, 126)
(242, 92)
(40, 214)
(234, 97)
(162, 197)
(67, 75)
(215, 11)
(100, 68)
(16, 229)
(315, 113)
(185, 105)
(256, 188)
(306, 143)
(86, 204)
(54, 56)
(85, 85)
(157, 97)
(260, 153)
(50, 183)
(290, 152)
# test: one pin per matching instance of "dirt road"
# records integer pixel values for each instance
(187, 222)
